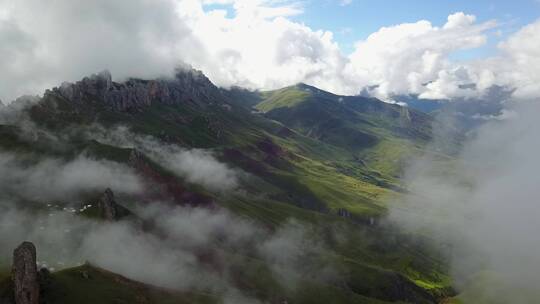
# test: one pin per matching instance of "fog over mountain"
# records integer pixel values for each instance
(171, 258)
(483, 209)
(239, 151)
(172, 261)
(197, 166)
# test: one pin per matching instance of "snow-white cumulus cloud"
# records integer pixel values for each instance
(413, 57)
(520, 60)
(255, 43)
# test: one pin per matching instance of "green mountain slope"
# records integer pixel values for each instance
(376, 132)
(89, 284)
(328, 161)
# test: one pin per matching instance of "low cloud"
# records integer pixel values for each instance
(193, 249)
(57, 179)
(482, 208)
(292, 251)
(197, 166)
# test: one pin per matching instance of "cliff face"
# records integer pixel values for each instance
(134, 94)
(25, 275)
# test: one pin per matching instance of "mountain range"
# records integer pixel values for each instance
(326, 165)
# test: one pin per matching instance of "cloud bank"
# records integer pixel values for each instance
(60, 180)
(197, 166)
(258, 46)
(483, 209)
(195, 249)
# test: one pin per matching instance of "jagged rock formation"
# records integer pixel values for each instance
(109, 209)
(25, 276)
(96, 85)
(187, 86)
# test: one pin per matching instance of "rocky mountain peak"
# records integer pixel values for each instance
(187, 85)
(96, 85)
(25, 275)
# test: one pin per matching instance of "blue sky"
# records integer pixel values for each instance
(360, 18)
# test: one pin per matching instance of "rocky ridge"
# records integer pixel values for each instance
(132, 95)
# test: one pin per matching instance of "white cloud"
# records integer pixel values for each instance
(484, 209)
(66, 40)
(345, 2)
(55, 179)
(403, 58)
(258, 46)
(197, 166)
(173, 253)
(520, 62)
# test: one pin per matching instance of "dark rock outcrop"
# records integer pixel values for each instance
(188, 85)
(25, 275)
(45, 282)
(109, 209)
(96, 85)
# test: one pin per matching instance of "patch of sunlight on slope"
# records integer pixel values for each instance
(283, 98)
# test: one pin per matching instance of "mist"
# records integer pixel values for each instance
(187, 248)
(56, 179)
(482, 207)
(195, 249)
(197, 166)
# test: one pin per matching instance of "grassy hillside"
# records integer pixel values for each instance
(310, 156)
(283, 98)
(376, 132)
(89, 284)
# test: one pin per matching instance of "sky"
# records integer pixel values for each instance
(355, 20)
(432, 49)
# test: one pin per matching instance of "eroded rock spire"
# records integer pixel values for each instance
(25, 275)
